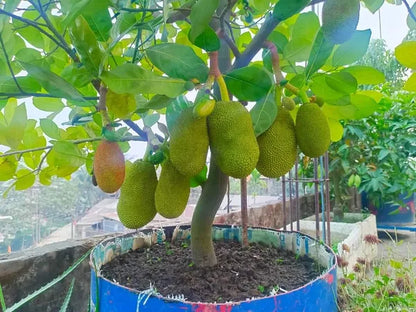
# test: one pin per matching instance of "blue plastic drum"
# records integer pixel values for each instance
(317, 295)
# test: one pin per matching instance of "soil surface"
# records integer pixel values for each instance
(240, 273)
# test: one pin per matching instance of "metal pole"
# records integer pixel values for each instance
(297, 194)
(327, 201)
(315, 171)
(284, 201)
(290, 200)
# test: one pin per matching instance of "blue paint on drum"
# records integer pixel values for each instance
(317, 296)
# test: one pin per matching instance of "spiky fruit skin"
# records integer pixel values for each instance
(312, 130)
(340, 19)
(109, 166)
(232, 139)
(136, 205)
(189, 143)
(172, 191)
(277, 146)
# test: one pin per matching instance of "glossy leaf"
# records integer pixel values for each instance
(178, 61)
(353, 49)
(365, 74)
(264, 113)
(321, 88)
(303, 34)
(321, 51)
(86, 44)
(174, 109)
(73, 12)
(410, 84)
(50, 128)
(9, 6)
(201, 14)
(120, 105)
(373, 5)
(7, 168)
(207, 40)
(25, 179)
(405, 54)
(52, 83)
(99, 19)
(12, 132)
(27, 84)
(287, 8)
(133, 79)
(248, 83)
(66, 157)
(365, 104)
(156, 102)
(342, 82)
(336, 129)
(48, 104)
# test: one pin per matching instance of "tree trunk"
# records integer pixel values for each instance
(212, 194)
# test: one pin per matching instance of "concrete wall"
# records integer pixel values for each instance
(23, 273)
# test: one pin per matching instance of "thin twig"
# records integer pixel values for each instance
(229, 42)
(81, 141)
(27, 94)
(9, 65)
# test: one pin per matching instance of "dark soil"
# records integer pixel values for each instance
(240, 273)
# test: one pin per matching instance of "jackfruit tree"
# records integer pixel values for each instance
(205, 83)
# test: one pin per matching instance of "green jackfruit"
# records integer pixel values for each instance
(340, 19)
(136, 205)
(189, 143)
(232, 139)
(312, 130)
(277, 146)
(172, 191)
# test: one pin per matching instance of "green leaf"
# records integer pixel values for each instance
(373, 5)
(156, 102)
(9, 6)
(303, 33)
(25, 179)
(86, 44)
(8, 167)
(48, 104)
(11, 133)
(264, 113)
(178, 61)
(174, 109)
(353, 49)
(321, 51)
(201, 14)
(248, 83)
(365, 74)
(28, 84)
(336, 130)
(120, 105)
(150, 120)
(52, 83)
(50, 128)
(405, 54)
(99, 19)
(342, 82)
(208, 40)
(396, 264)
(287, 8)
(76, 75)
(365, 105)
(66, 157)
(74, 12)
(410, 84)
(130, 78)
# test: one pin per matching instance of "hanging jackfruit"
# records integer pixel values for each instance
(312, 130)
(136, 205)
(172, 191)
(277, 146)
(189, 143)
(232, 139)
(109, 166)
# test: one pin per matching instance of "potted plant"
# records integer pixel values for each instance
(116, 67)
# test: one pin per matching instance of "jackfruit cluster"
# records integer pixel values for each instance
(136, 205)
(312, 130)
(277, 146)
(232, 139)
(189, 143)
(172, 191)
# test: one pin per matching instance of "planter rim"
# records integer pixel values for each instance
(324, 275)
